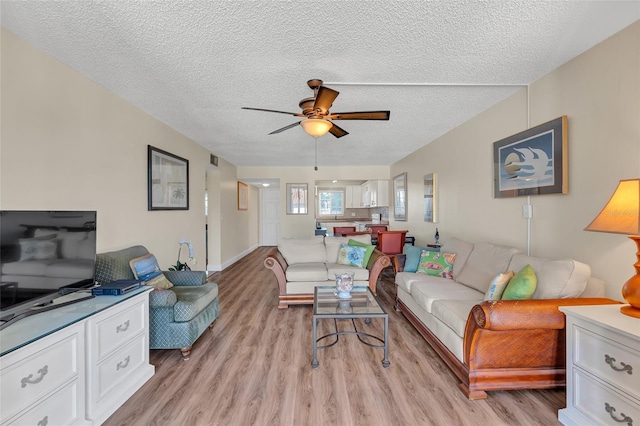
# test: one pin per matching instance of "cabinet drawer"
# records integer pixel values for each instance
(601, 403)
(33, 375)
(118, 328)
(61, 408)
(607, 359)
(117, 367)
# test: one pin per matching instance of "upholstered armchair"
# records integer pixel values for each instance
(177, 316)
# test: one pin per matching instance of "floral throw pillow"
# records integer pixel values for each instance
(351, 255)
(436, 264)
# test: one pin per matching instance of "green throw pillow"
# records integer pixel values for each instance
(368, 250)
(522, 285)
(351, 255)
(436, 264)
(412, 256)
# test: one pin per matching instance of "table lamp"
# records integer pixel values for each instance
(621, 215)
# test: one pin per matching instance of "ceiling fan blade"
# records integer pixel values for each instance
(325, 99)
(338, 132)
(296, 114)
(362, 115)
(290, 126)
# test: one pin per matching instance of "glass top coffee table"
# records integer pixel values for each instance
(327, 305)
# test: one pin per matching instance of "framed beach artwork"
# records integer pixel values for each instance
(430, 198)
(243, 196)
(167, 180)
(532, 162)
(400, 197)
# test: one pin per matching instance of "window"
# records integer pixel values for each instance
(331, 201)
(297, 198)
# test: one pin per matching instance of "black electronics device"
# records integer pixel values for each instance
(116, 288)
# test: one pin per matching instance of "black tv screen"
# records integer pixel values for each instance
(44, 254)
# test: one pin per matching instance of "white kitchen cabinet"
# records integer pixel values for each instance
(375, 193)
(603, 362)
(354, 197)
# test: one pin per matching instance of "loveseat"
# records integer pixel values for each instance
(303, 263)
(502, 344)
(177, 316)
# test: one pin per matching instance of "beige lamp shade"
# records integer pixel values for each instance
(316, 127)
(621, 215)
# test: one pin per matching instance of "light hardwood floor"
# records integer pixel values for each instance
(254, 368)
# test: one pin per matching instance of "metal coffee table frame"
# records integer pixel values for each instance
(362, 304)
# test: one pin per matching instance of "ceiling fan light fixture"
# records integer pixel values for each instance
(316, 127)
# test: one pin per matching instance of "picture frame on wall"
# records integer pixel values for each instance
(430, 198)
(167, 180)
(243, 196)
(400, 197)
(532, 162)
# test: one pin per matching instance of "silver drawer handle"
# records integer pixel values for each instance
(44, 421)
(122, 327)
(123, 364)
(625, 419)
(623, 367)
(28, 381)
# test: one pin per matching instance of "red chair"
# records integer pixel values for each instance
(375, 229)
(338, 230)
(350, 233)
(391, 243)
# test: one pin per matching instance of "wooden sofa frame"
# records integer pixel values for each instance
(278, 266)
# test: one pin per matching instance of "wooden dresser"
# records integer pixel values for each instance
(603, 367)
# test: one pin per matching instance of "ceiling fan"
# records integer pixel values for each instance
(318, 119)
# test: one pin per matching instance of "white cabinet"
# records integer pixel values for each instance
(603, 366)
(44, 382)
(82, 373)
(354, 196)
(375, 193)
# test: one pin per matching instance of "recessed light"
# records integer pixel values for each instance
(334, 181)
(266, 184)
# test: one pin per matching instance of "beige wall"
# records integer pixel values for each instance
(67, 143)
(302, 225)
(599, 91)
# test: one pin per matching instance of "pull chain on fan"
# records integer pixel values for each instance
(315, 167)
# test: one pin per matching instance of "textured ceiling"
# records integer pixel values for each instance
(193, 64)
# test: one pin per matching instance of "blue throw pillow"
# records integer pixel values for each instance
(146, 268)
(412, 259)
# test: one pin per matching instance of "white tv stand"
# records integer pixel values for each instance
(76, 364)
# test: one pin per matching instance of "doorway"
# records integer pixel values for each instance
(269, 216)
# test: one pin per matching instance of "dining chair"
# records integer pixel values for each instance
(375, 229)
(391, 243)
(338, 230)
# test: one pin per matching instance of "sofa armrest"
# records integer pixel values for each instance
(377, 263)
(525, 314)
(278, 266)
(162, 298)
(524, 334)
(186, 278)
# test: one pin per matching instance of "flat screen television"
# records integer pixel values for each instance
(44, 257)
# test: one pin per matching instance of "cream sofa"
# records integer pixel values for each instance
(501, 345)
(303, 263)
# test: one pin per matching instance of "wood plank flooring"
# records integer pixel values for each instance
(254, 368)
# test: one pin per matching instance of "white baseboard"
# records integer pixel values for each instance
(219, 267)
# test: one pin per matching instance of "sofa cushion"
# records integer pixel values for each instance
(497, 286)
(38, 249)
(425, 293)
(192, 300)
(453, 313)
(412, 256)
(306, 272)
(303, 250)
(438, 264)
(557, 279)
(404, 280)
(485, 262)
(146, 268)
(462, 249)
(333, 244)
(333, 269)
(351, 255)
(522, 285)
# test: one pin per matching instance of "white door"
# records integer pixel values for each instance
(270, 217)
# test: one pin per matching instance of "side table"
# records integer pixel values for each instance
(603, 366)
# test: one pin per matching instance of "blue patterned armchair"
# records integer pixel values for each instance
(177, 316)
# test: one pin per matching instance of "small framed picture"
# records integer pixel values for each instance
(243, 196)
